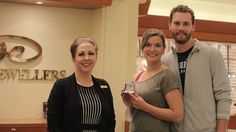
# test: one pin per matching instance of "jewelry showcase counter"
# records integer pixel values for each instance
(23, 125)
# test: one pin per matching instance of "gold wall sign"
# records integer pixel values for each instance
(27, 74)
(17, 53)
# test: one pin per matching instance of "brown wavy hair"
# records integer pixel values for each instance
(150, 33)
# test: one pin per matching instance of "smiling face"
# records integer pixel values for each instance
(153, 49)
(85, 57)
(181, 27)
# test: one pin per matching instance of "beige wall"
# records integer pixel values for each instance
(54, 29)
(114, 28)
(119, 39)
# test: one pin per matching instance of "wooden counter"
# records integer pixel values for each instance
(34, 125)
(232, 122)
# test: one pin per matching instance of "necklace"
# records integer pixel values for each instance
(84, 82)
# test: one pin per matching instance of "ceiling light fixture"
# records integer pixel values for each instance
(39, 2)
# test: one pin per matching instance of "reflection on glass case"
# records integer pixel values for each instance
(228, 51)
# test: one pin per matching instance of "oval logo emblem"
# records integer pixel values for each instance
(19, 49)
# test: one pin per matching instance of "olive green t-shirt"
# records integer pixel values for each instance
(153, 91)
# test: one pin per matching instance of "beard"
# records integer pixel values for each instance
(181, 40)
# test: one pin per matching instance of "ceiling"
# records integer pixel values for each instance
(218, 10)
(231, 2)
(81, 4)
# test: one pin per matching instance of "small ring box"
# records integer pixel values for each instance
(129, 88)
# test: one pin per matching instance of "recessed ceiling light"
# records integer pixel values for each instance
(39, 2)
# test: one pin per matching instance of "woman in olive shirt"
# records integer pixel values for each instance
(157, 101)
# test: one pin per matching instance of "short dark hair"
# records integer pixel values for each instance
(183, 9)
(79, 41)
(150, 33)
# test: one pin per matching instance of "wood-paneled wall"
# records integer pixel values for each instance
(205, 29)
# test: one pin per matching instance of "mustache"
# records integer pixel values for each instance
(177, 33)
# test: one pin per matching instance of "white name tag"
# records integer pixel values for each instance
(103, 86)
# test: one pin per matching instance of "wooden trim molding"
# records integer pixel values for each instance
(199, 35)
(143, 8)
(88, 2)
(205, 29)
(81, 4)
(21, 122)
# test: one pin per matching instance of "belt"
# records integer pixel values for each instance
(90, 126)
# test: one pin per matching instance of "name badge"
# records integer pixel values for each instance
(103, 86)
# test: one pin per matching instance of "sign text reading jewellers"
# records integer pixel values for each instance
(26, 74)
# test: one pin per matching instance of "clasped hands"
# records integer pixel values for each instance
(133, 100)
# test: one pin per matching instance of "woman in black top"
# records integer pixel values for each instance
(81, 102)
